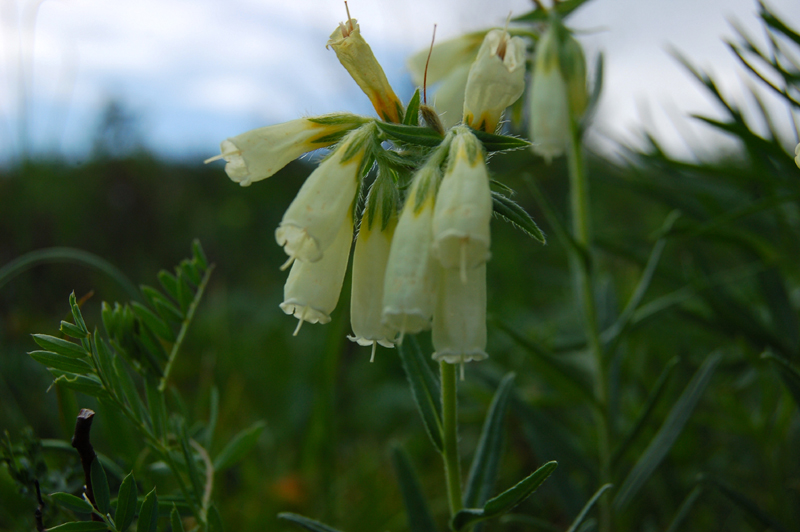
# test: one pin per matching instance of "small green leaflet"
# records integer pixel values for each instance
(510, 211)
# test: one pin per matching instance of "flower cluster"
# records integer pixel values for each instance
(420, 261)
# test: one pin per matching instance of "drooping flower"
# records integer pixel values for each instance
(797, 155)
(260, 153)
(459, 321)
(356, 56)
(312, 290)
(410, 282)
(449, 68)
(312, 221)
(496, 80)
(461, 236)
(558, 95)
(370, 259)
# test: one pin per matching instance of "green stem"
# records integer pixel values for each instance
(452, 465)
(581, 229)
(184, 327)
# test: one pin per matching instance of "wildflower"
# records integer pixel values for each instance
(410, 282)
(259, 153)
(549, 108)
(449, 66)
(463, 210)
(311, 222)
(459, 321)
(369, 265)
(573, 68)
(312, 289)
(356, 56)
(496, 80)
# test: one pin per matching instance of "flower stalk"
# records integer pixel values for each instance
(452, 461)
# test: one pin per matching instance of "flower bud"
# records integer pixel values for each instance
(311, 222)
(312, 289)
(410, 282)
(461, 236)
(573, 68)
(356, 56)
(369, 267)
(259, 153)
(459, 321)
(496, 80)
(549, 108)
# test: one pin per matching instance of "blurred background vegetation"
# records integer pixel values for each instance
(721, 237)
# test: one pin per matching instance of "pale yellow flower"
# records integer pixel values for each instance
(547, 100)
(459, 321)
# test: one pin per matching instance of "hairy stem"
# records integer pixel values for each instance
(581, 230)
(452, 463)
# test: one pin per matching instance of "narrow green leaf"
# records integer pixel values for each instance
(60, 346)
(417, 135)
(129, 390)
(199, 255)
(166, 308)
(153, 322)
(185, 292)
(492, 142)
(189, 269)
(102, 493)
(238, 447)
(483, 472)
(411, 117)
(170, 283)
(105, 362)
(587, 507)
(76, 313)
(86, 384)
(73, 503)
(80, 526)
(743, 502)
(62, 363)
(148, 515)
(214, 520)
(665, 437)
(191, 464)
(510, 498)
(175, 520)
(644, 416)
(423, 388)
(157, 407)
(126, 502)
(683, 512)
(305, 522)
(789, 374)
(419, 514)
(510, 211)
(110, 319)
(72, 330)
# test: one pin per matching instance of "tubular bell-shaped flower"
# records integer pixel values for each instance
(461, 236)
(260, 153)
(549, 109)
(496, 80)
(459, 321)
(356, 56)
(410, 283)
(312, 289)
(312, 221)
(370, 259)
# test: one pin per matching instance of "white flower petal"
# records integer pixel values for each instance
(459, 321)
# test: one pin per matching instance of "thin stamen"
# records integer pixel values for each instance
(288, 262)
(300, 322)
(212, 159)
(349, 20)
(374, 347)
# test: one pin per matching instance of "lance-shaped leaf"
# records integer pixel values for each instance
(80, 526)
(483, 472)
(511, 212)
(102, 493)
(71, 502)
(157, 407)
(492, 142)
(419, 514)
(60, 346)
(148, 515)
(72, 330)
(417, 135)
(86, 384)
(175, 520)
(504, 502)
(665, 437)
(424, 388)
(126, 503)
(76, 312)
(587, 507)
(153, 322)
(305, 522)
(61, 362)
(411, 118)
(238, 447)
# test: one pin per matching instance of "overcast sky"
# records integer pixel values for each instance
(198, 71)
